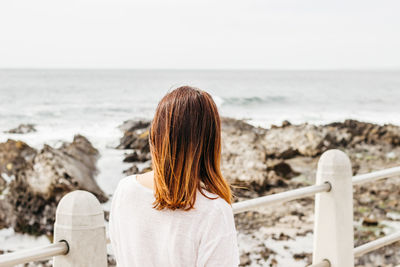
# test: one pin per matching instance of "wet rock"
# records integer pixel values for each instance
(22, 129)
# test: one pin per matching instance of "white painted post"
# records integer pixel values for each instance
(333, 226)
(80, 222)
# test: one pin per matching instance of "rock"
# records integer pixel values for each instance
(22, 129)
(132, 170)
(367, 221)
(290, 141)
(243, 154)
(245, 259)
(300, 256)
(285, 123)
(310, 140)
(256, 159)
(111, 260)
(136, 135)
(369, 133)
(82, 150)
(15, 156)
(281, 169)
(132, 125)
(136, 157)
(41, 179)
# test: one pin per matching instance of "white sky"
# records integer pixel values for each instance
(260, 34)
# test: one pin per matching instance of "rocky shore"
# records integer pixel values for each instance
(259, 161)
(32, 182)
(256, 161)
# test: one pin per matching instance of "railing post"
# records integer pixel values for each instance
(333, 226)
(80, 222)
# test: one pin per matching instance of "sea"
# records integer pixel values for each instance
(62, 103)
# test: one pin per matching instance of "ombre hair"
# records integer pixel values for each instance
(185, 145)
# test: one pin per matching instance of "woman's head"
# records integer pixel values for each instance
(185, 144)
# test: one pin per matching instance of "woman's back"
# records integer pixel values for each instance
(144, 236)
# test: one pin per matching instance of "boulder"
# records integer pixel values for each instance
(22, 129)
(136, 135)
(41, 179)
(243, 155)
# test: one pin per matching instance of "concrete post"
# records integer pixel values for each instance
(80, 222)
(333, 227)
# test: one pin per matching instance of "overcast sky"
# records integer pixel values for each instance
(267, 34)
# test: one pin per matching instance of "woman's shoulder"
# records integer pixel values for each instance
(216, 214)
(122, 183)
(212, 203)
(130, 184)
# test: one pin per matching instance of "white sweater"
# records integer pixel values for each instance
(142, 236)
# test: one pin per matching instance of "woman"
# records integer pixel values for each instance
(180, 213)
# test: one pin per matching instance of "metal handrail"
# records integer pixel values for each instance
(309, 191)
(377, 175)
(378, 243)
(280, 197)
(35, 254)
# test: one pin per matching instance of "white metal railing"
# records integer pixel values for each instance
(36, 254)
(378, 243)
(373, 176)
(81, 239)
(308, 191)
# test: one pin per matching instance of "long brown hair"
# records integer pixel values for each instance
(185, 144)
